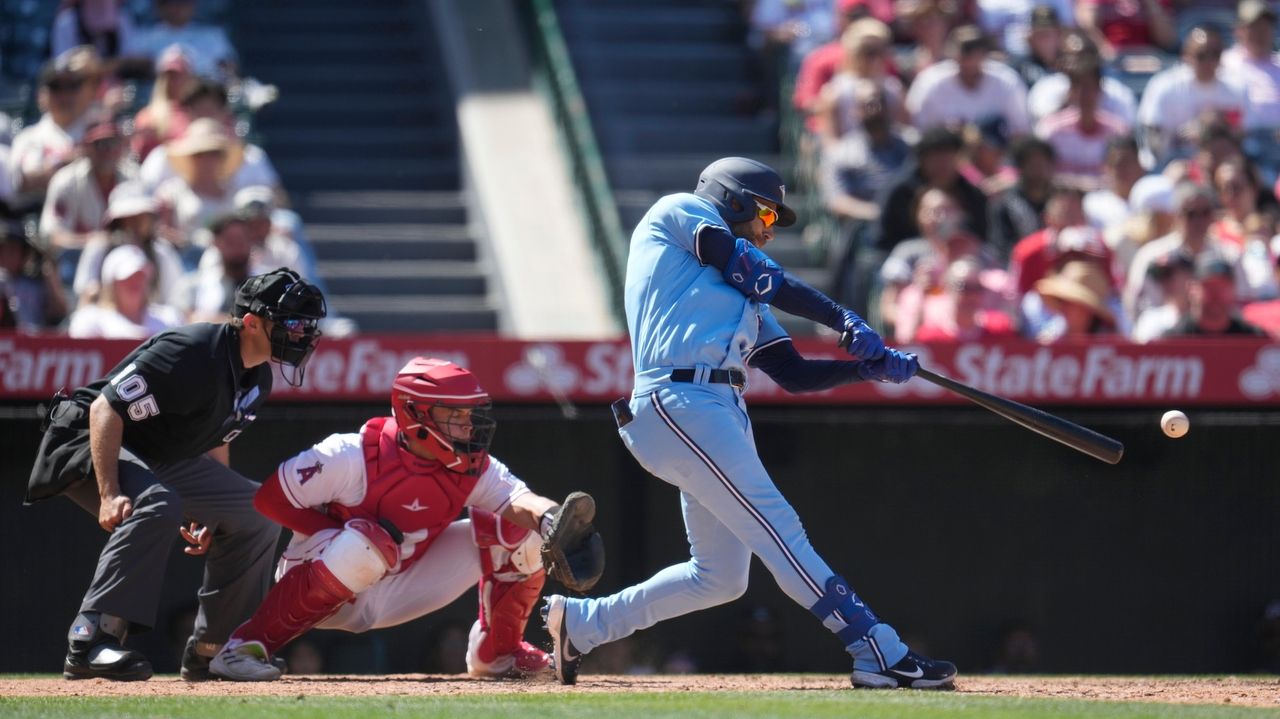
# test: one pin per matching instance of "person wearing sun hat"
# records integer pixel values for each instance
(204, 159)
(1081, 293)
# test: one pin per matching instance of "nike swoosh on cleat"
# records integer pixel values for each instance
(910, 675)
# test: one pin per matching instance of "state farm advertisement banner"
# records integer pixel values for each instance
(1243, 372)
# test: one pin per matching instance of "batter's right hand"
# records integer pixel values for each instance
(113, 511)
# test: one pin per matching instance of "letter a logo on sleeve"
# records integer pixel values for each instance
(306, 473)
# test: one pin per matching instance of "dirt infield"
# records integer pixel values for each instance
(1240, 691)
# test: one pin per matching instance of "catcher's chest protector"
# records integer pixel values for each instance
(420, 501)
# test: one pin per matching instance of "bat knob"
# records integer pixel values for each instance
(845, 338)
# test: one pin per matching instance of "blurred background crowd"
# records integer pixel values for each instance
(978, 168)
(133, 197)
(1043, 168)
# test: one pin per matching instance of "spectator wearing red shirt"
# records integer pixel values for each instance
(164, 118)
(822, 64)
(969, 316)
(1081, 132)
(1119, 25)
(1033, 257)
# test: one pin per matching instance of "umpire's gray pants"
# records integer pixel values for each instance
(238, 565)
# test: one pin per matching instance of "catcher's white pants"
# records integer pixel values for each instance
(450, 567)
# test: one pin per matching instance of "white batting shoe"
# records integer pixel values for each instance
(244, 662)
(565, 657)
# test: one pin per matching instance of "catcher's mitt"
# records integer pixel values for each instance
(572, 550)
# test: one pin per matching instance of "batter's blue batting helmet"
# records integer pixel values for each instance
(733, 184)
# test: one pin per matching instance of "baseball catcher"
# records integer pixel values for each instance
(377, 540)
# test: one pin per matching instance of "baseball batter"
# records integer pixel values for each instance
(698, 297)
(375, 541)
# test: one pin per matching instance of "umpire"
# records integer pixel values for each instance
(144, 450)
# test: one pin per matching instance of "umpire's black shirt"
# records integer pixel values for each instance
(180, 394)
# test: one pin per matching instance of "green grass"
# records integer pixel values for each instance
(735, 705)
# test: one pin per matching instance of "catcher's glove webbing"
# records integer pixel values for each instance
(572, 550)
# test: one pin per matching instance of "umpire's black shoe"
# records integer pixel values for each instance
(565, 658)
(911, 672)
(195, 665)
(95, 650)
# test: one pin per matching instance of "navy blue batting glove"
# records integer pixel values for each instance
(865, 343)
(895, 366)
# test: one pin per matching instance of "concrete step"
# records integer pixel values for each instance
(412, 113)
(400, 242)
(663, 173)
(417, 313)
(412, 145)
(303, 52)
(594, 23)
(630, 62)
(721, 136)
(359, 208)
(337, 78)
(666, 98)
(401, 277)
(370, 174)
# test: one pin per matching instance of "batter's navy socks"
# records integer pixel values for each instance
(95, 650)
(911, 672)
(565, 657)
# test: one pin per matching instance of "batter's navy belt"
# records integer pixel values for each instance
(734, 377)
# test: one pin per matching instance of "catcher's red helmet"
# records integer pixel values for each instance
(443, 413)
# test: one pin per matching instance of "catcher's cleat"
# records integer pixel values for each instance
(95, 650)
(527, 660)
(565, 658)
(195, 664)
(244, 662)
(911, 672)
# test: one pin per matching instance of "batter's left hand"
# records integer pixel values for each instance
(894, 366)
(198, 536)
(864, 343)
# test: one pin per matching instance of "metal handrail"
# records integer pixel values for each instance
(560, 82)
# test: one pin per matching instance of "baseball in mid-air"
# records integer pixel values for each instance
(1175, 424)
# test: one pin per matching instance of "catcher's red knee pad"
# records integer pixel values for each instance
(361, 554)
(506, 549)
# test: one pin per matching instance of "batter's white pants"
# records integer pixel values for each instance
(698, 438)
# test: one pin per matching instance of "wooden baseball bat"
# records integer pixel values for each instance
(1081, 439)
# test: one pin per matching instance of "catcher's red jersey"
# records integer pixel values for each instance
(369, 475)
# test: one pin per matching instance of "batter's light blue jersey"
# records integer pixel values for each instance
(680, 312)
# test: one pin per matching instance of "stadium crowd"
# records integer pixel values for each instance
(135, 202)
(1049, 168)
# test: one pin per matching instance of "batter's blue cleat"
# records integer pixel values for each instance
(911, 672)
(565, 658)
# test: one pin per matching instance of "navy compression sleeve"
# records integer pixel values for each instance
(796, 374)
(716, 247)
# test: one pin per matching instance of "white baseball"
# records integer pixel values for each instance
(1175, 424)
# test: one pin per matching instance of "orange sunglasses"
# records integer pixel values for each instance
(767, 214)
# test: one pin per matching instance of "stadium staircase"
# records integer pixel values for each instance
(365, 138)
(670, 89)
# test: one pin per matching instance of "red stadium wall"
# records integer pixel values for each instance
(1224, 372)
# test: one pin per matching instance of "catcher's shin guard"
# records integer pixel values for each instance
(305, 596)
(510, 584)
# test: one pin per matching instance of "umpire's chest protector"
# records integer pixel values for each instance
(418, 496)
